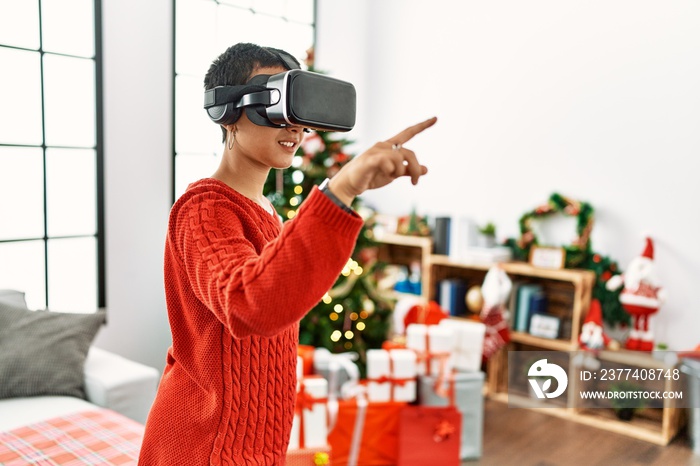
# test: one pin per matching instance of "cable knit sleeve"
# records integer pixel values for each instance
(254, 289)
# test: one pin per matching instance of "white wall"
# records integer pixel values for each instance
(595, 100)
(138, 106)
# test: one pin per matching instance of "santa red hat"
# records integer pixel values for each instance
(595, 313)
(649, 249)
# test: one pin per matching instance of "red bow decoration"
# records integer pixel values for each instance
(305, 401)
(443, 430)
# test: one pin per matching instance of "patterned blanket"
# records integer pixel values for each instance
(100, 437)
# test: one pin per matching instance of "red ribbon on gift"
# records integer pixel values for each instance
(443, 430)
(443, 376)
(392, 380)
(305, 401)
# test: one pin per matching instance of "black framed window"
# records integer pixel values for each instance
(203, 30)
(51, 196)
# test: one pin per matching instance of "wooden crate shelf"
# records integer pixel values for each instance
(569, 294)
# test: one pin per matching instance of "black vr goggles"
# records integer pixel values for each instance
(294, 97)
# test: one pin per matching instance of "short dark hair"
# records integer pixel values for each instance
(237, 63)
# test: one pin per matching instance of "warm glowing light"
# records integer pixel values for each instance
(294, 201)
(335, 336)
(338, 308)
(354, 316)
(327, 298)
(291, 214)
(358, 270)
(363, 315)
(360, 326)
(333, 316)
(349, 334)
(298, 189)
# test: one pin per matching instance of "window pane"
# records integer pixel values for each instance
(194, 131)
(21, 193)
(301, 11)
(22, 268)
(194, 41)
(234, 25)
(69, 86)
(68, 27)
(71, 192)
(270, 7)
(20, 97)
(19, 23)
(72, 267)
(241, 3)
(193, 167)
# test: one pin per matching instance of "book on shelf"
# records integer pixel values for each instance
(524, 305)
(452, 296)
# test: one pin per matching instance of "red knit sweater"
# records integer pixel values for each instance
(237, 283)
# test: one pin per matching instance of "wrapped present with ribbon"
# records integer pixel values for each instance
(366, 433)
(433, 345)
(468, 343)
(464, 392)
(429, 435)
(310, 426)
(391, 375)
(338, 368)
(309, 457)
(306, 352)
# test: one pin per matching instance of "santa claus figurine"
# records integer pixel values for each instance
(495, 291)
(593, 336)
(641, 297)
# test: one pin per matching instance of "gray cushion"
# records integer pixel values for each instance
(13, 297)
(42, 352)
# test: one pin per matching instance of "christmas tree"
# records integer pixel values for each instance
(353, 315)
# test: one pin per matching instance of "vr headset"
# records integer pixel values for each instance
(294, 97)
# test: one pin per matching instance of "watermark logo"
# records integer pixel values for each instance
(543, 371)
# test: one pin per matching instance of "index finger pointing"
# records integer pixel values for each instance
(411, 131)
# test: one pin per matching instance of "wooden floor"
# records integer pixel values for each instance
(522, 437)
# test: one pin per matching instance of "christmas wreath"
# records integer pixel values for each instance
(577, 251)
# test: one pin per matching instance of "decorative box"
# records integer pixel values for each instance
(433, 345)
(429, 435)
(378, 426)
(310, 426)
(468, 343)
(469, 400)
(391, 375)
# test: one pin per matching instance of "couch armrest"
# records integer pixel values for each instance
(117, 383)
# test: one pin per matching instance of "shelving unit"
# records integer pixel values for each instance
(569, 296)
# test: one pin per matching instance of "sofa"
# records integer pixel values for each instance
(51, 375)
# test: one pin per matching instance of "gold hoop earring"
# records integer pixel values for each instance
(231, 139)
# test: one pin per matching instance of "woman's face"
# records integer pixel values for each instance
(271, 147)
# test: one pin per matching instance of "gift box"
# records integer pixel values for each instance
(338, 369)
(391, 375)
(310, 426)
(306, 352)
(377, 444)
(468, 399)
(468, 343)
(429, 435)
(433, 345)
(309, 457)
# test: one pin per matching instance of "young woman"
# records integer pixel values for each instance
(238, 282)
